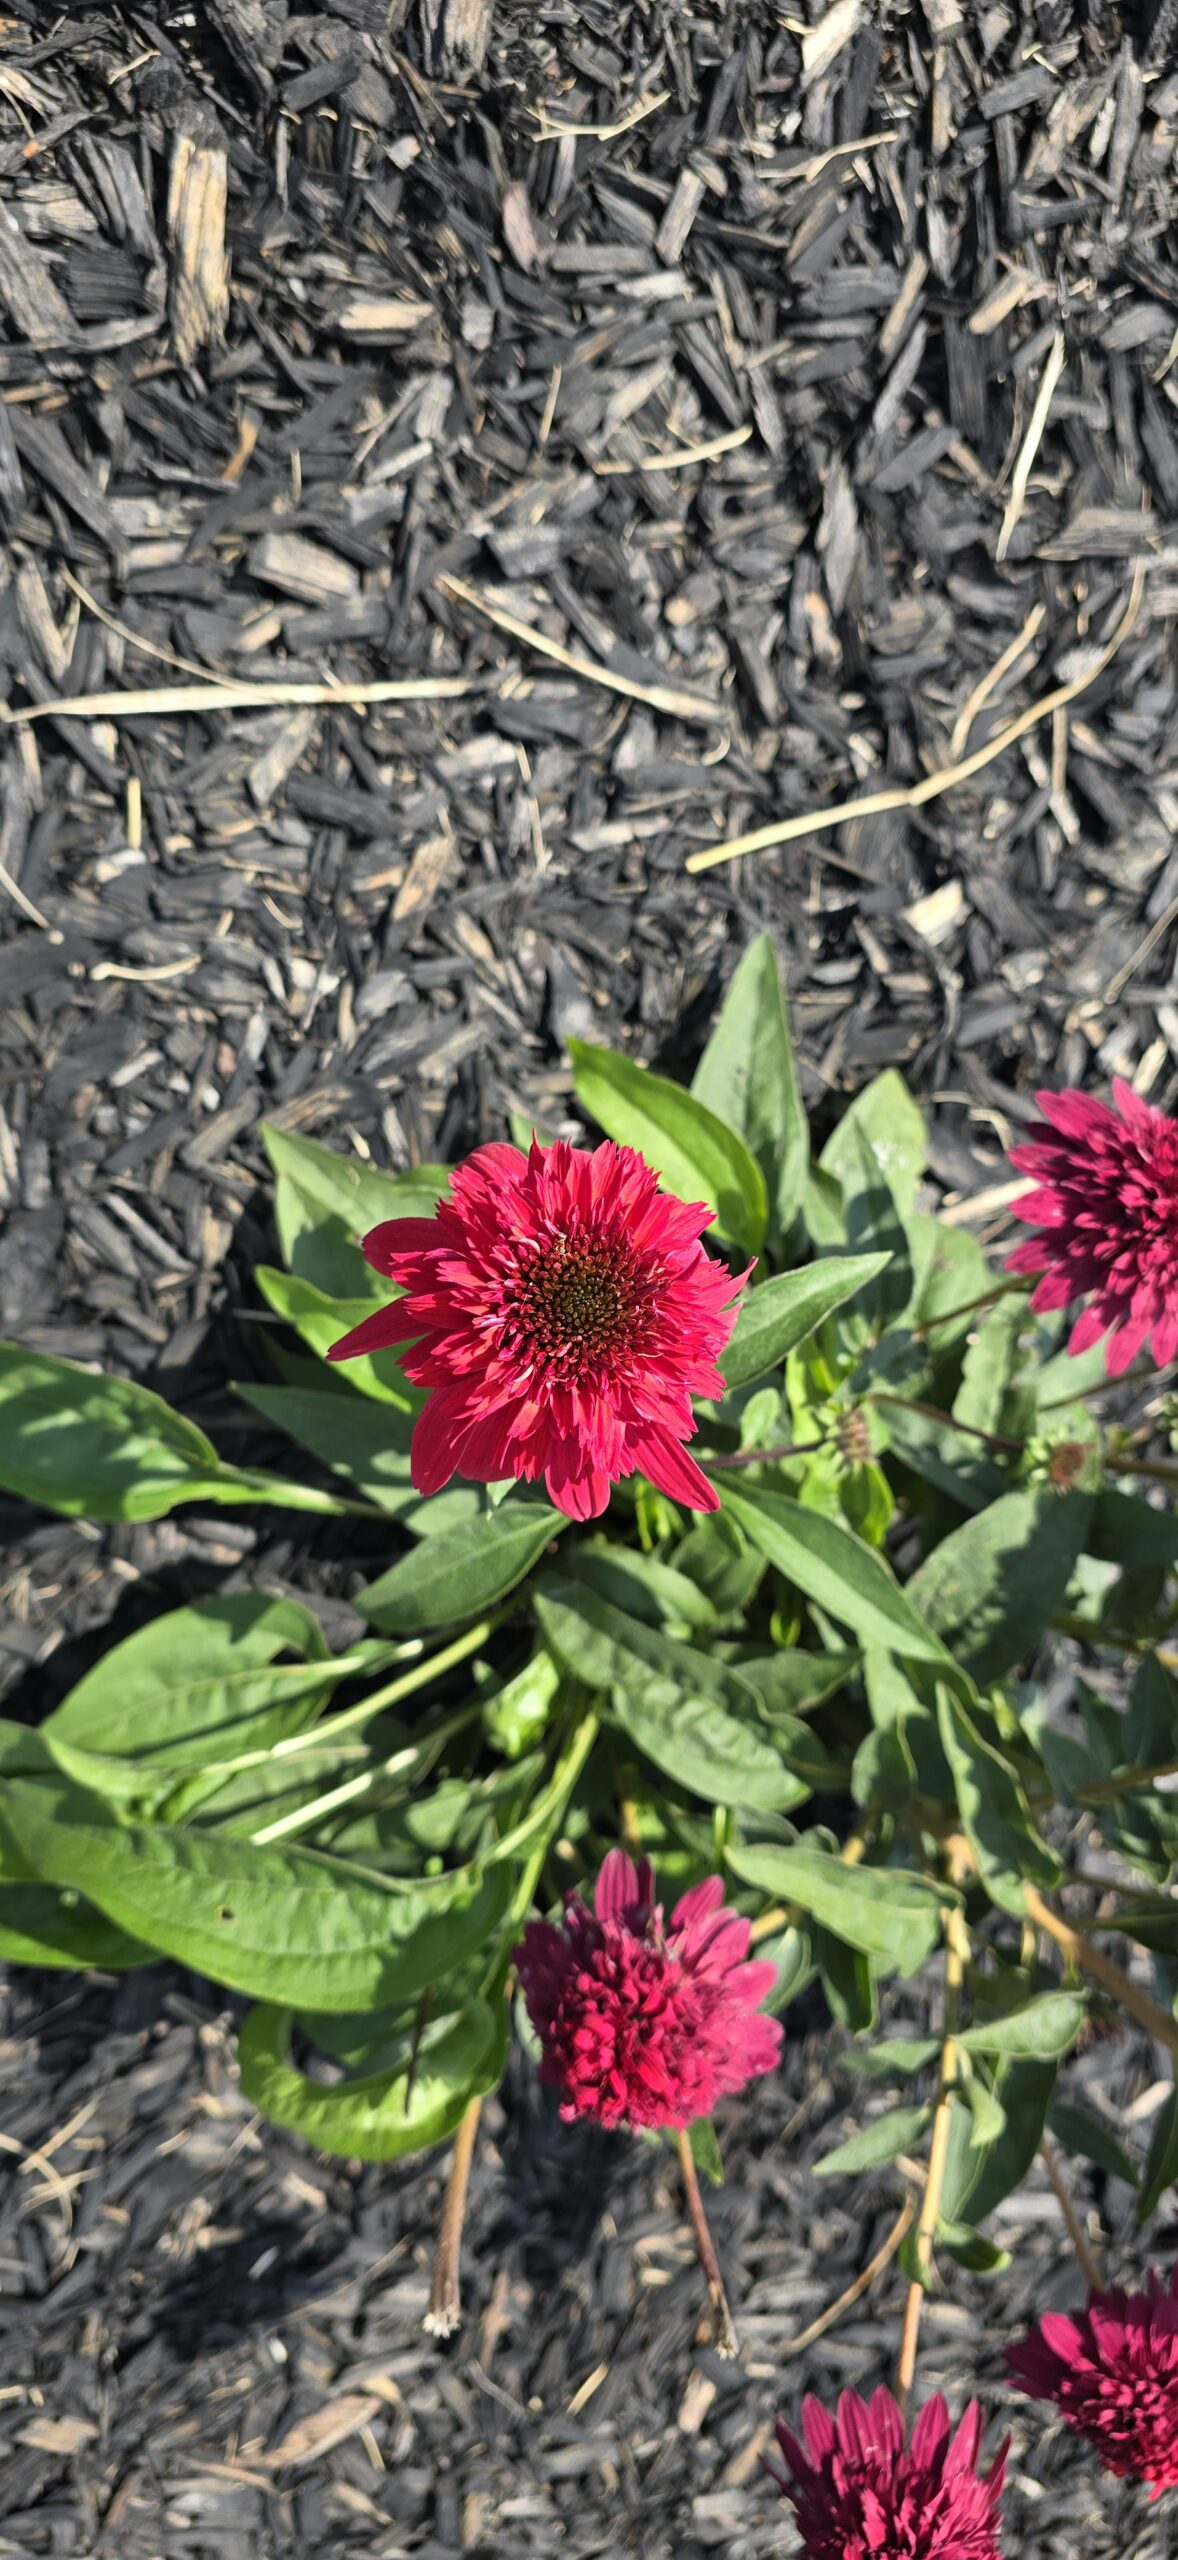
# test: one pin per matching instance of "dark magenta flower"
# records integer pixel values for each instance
(1106, 1202)
(562, 1313)
(645, 2021)
(1112, 2372)
(860, 2493)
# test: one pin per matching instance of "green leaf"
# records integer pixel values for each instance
(894, 2058)
(51, 1925)
(367, 1442)
(899, 2130)
(981, 2257)
(284, 1924)
(1126, 1530)
(1081, 2131)
(95, 1447)
(459, 1575)
(886, 1912)
(993, 1809)
(201, 1681)
(992, 1587)
(1151, 1723)
(321, 1321)
(791, 1682)
(777, 1316)
(720, 1561)
(705, 2150)
(1161, 2167)
(835, 1570)
(986, 2110)
(706, 1749)
(515, 1712)
(643, 1586)
(956, 1273)
(1045, 2026)
(872, 1221)
(747, 1076)
(696, 1156)
(848, 1982)
(324, 1203)
(943, 1457)
(989, 1367)
(885, 1114)
(608, 1649)
(419, 2101)
(984, 2176)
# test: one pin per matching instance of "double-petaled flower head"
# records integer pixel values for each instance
(642, 2020)
(860, 2492)
(1106, 1204)
(562, 1313)
(1112, 2372)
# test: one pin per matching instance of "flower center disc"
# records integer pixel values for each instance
(576, 1301)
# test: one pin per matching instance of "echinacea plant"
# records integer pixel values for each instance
(711, 1514)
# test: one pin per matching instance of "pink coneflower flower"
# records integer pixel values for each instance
(1107, 1203)
(563, 1313)
(1112, 2371)
(860, 2493)
(645, 2021)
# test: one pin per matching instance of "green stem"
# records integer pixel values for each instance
(1001, 1289)
(414, 1759)
(316, 1735)
(766, 1457)
(284, 1495)
(554, 1802)
(935, 1413)
(459, 1650)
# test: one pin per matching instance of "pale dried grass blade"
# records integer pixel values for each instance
(1056, 357)
(216, 696)
(915, 795)
(660, 697)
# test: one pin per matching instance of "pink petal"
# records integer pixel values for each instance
(381, 1331)
(668, 1466)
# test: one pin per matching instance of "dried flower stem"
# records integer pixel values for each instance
(956, 1958)
(1089, 1959)
(1086, 2258)
(724, 2337)
(445, 2300)
(854, 2292)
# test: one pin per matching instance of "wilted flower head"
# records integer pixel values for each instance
(645, 2021)
(1112, 2371)
(1106, 1200)
(860, 2493)
(563, 1313)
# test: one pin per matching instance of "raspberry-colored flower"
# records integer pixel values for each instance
(563, 1313)
(1112, 2371)
(1107, 1204)
(860, 2493)
(642, 2021)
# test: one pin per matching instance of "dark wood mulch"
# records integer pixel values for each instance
(213, 2345)
(302, 315)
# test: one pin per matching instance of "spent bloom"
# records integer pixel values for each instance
(562, 1313)
(645, 2021)
(1106, 1204)
(861, 2493)
(1112, 2371)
